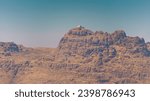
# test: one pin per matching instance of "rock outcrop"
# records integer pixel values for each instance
(148, 45)
(98, 47)
(8, 48)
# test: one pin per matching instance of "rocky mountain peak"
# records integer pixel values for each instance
(102, 45)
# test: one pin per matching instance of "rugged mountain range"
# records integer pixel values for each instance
(82, 56)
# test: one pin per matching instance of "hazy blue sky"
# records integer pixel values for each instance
(43, 22)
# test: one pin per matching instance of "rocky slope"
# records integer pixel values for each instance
(82, 56)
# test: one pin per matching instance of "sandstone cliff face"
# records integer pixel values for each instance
(82, 56)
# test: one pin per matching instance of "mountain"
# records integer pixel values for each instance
(82, 56)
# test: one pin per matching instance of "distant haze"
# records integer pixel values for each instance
(42, 23)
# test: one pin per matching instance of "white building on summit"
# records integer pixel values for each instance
(80, 30)
(79, 26)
